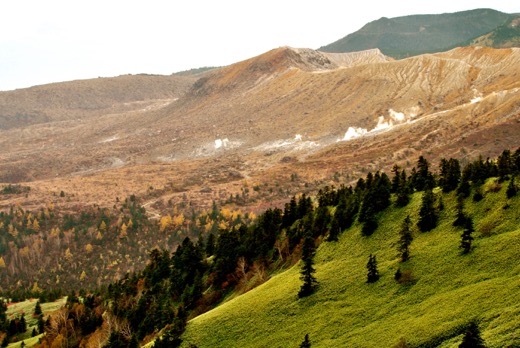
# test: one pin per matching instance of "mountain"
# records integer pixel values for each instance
(262, 121)
(85, 98)
(418, 34)
(507, 35)
(431, 306)
(96, 174)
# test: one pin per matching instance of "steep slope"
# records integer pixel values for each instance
(507, 35)
(275, 115)
(444, 290)
(412, 35)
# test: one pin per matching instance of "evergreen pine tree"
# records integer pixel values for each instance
(511, 188)
(478, 196)
(37, 309)
(306, 342)
(427, 214)
(396, 180)
(41, 324)
(403, 191)
(464, 188)
(335, 229)
(370, 225)
(466, 238)
(472, 337)
(373, 273)
(460, 219)
(405, 239)
(307, 271)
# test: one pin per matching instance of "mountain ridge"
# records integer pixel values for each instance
(405, 36)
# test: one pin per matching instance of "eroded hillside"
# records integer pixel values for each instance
(290, 120)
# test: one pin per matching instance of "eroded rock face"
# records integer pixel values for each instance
(381, 110)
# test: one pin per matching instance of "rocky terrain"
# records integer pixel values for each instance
(286, 121)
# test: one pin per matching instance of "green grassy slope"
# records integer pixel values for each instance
(27, 308)
(418, 34)
(449, 289)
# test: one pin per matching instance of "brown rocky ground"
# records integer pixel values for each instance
(262, 128)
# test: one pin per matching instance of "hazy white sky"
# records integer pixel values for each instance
(43, 41)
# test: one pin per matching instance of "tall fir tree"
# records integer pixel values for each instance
(37, 309)
(306, 342)
(460, 218)
(372, 271)
(307, 272)
(472, 337)
(512, 190)
(403, 191)
(427, 213)
(405, 239)
(466, 237)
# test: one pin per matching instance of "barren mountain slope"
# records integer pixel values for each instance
(278, 115)
(87, 98)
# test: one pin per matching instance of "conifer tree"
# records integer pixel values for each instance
(427, 214)
(467, 238)
(460, 219)
(405, 239)
(306, 342)
(307, 271)
(472, 337)
(373, 273)
(335, 229)
(464, 188)
(37, 309)
(370, 225)
(511, 188)
(403, 191)
(396, 180)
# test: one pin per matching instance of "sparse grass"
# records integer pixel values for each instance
(449, 289)
(27, 307)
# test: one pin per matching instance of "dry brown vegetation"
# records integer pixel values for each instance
(99, 140)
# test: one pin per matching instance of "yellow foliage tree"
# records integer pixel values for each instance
(236, 214)
(178, 220)
(164, 222)
(24, 252)
(99, 236)
(103, 226)
(36, 288)
(122, 234)
(226, 213)
(68, 254)
(2, 262)
(82, 276)
(12, 230)
(36, 225)
(89, 248)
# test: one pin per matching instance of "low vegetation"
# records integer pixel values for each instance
(379, 274)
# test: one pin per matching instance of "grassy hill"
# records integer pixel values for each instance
(507, 35)
(446, 290)
(413, 35)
